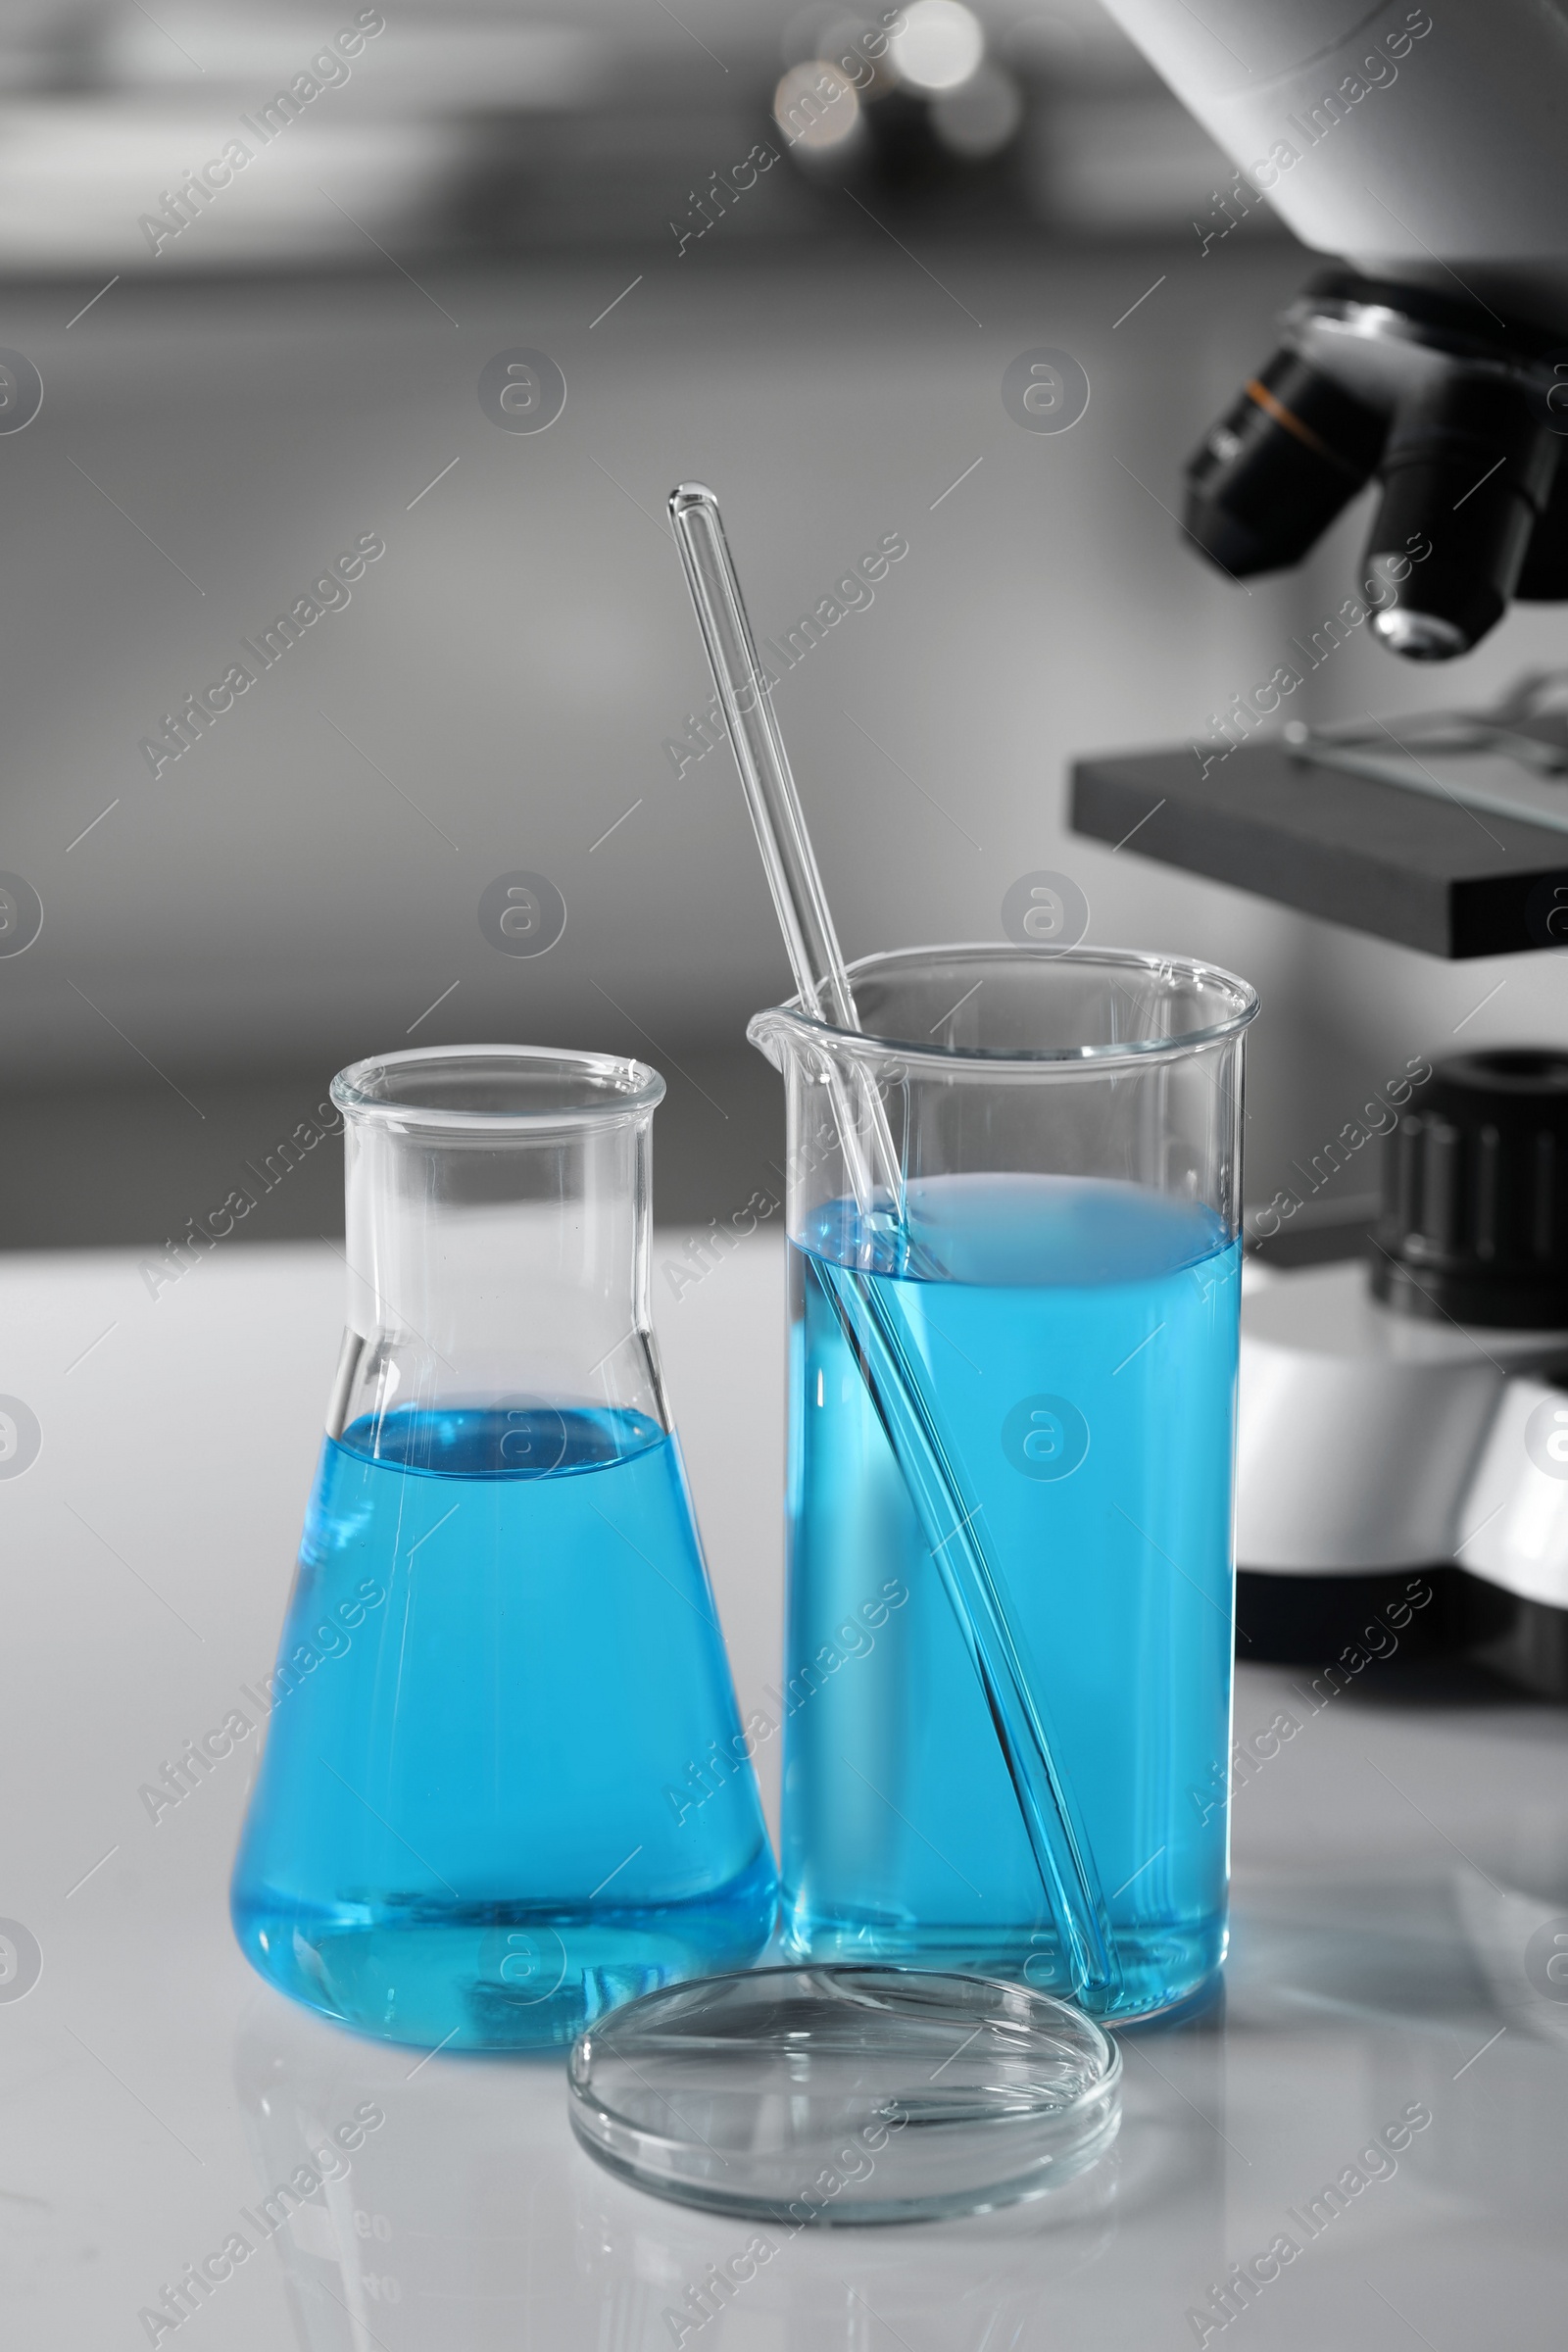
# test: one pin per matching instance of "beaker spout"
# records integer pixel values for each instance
(771, 1038)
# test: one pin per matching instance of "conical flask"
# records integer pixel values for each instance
(505, 1785)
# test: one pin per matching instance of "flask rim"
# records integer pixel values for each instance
(442, 1091)
(1192, 971)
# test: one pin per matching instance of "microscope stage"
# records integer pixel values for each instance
(1425, 872)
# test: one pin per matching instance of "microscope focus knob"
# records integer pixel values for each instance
(1473, 1219)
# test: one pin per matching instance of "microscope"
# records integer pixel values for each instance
(1402, 1438)
(1426, 155)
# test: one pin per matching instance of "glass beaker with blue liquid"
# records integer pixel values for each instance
(1012, 1392)
(500, 1651)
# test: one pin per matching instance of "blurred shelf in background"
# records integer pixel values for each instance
(214, 140)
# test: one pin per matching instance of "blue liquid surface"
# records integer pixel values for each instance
(474, 1814)
(1077, 1342)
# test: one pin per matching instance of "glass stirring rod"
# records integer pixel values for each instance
(1051, 1818)
(779, 824)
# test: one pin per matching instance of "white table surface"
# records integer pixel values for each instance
(1393, 1860)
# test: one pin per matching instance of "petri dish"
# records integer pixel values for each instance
(846, 2094)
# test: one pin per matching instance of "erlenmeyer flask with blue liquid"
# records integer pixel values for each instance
(500, 1652)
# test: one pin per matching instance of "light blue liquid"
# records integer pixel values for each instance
(476, 1811)
(902, 1836)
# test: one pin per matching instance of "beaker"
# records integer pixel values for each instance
(1048, 1319)
(504, 1785)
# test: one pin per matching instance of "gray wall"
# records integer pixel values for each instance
(303, 883)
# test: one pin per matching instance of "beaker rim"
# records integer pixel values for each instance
(494, 1089)
(1237, 995)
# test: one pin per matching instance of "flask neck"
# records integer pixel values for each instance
(497, 1270)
